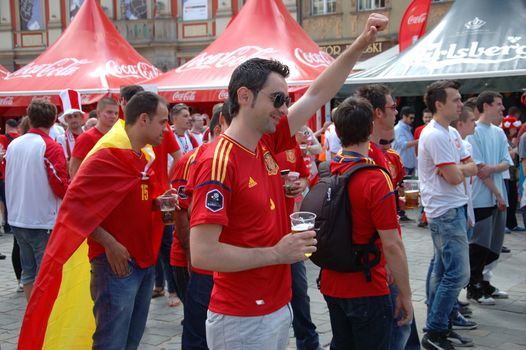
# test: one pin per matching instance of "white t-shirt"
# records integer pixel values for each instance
(469, 185)
(440, 146)
(332, 142)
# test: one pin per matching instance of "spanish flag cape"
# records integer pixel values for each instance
(59, 314)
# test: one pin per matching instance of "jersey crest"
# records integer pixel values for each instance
(270, 163)
(291, 156)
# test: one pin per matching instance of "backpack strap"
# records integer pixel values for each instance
(324, 169)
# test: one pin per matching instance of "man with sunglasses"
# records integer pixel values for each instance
(404, 142)
(238, 225)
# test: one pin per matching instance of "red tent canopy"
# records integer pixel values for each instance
(3, 71)
(261, 29)
(90, 57)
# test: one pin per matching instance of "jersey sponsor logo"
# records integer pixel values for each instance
(291, 156)
(214, 201)
(144, 192)
(272, 205)
(251, 182)
(270, 163)
(181, 193)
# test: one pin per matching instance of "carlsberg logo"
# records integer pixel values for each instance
(475, 53)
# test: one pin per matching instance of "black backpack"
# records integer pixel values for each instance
(329, 200)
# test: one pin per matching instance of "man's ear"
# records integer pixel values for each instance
(243, 95)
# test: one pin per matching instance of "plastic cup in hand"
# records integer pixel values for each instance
(168, 203)
(412, 193)
(290, 179)
(302, 221)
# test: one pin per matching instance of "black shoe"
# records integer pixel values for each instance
(2, 256)
(465, 311)
(406, 219)
(459, 341)
(505, 250)
(422, 224)
(436, 342)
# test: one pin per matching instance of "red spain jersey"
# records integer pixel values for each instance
(395, 166)
(373, 208)
(129, 222)
(85, 142)
(242, 191)
(168, 146)
(179, 181)
(377, 155)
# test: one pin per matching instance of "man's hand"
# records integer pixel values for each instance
(297, 187)
(118, 258)
(501, 203)
(484, 171)
(293, 247)
(375, 23)
(404, 305)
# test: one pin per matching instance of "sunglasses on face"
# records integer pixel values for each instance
(384, 142)
(278, 99)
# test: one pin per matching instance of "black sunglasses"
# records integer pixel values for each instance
(385, 142)
(279, 99)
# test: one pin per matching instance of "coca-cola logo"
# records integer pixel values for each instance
(42, 97)
(140, 70)
(61, 68)
(6, 101)
(226, 59)
(223, 94)
(417, 19)
(184, 96)
(313, 59)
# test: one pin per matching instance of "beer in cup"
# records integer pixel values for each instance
(412, 193)
(292, 176)
(168, 203)
(302, 221)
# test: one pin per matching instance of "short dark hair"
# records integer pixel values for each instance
(214, 121)
(11, 123)
(375, 94)
(437, 92)
(128, 91)
(253, 75)
(143, 102)
(93, 114)
(106, 101)
(471, 103)
(426, 110)
(225, 111)
(407, 110)
(41, 113)
(464, 115)
(354, 121)
(513, 110)
(486, 97)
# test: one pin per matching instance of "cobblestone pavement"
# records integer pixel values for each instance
(502, 326)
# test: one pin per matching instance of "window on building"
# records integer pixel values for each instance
(134, 9)
(323, 7)
(31, 15)
(364, 5)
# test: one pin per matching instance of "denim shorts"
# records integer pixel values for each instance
(32, 243)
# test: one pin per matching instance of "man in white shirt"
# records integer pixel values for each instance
(443, 163)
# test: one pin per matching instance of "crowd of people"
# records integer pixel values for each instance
(229, 256)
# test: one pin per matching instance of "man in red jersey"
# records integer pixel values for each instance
(361, 312)
(238, 225)
(426, 118)
(198, 289)
(107, 115)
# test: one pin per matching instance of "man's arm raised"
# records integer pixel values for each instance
(333, 77)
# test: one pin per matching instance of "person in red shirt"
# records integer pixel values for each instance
(197, 287)
(238, 225)
(373, 210)
(107, 115)
(73, 117)
(426, 118)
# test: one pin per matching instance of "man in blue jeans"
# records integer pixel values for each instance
(443, 164)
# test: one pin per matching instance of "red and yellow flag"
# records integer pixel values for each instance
(59, 314)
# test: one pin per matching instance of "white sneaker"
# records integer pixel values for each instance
(499, 294)
(19, 288)
(486, 300)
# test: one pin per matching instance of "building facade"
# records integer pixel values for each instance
(170, 32)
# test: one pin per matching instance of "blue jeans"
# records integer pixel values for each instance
(32, 243)
(195, 310)
(360, 323)
(163, 270)
(304, 329)
(120, 304)
(403, 337)
(449, 272)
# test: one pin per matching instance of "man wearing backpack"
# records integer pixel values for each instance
(359, 304)
(443, 164)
